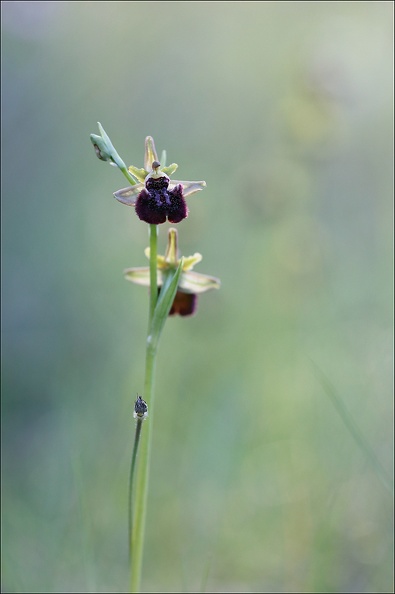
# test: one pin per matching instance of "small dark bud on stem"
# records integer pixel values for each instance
(140, 408)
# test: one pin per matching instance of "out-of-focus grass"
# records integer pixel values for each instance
(355, 431)
(286, 111)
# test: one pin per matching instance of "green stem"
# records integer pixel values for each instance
(128, 175)
(131, 477)
(153, 272)
(137, 509)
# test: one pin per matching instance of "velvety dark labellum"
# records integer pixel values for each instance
(156, 203)
(184, 304)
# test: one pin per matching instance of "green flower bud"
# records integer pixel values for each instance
(100, 147)
(104, 148)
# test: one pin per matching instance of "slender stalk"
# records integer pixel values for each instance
(128, 175)
(153, 273)
(137, 508)
(140, 504)
(131, 477)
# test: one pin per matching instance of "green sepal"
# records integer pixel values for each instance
(141, 276)
(164, 303)
(188, 187)
(150, 154)
(171, 255)
(128, 195)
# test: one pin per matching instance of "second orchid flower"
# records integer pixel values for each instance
(191, 283)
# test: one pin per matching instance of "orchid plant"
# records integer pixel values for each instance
(173, 289)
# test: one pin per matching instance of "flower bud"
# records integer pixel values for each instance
(105, 150)
(140, 408)
(100, 147)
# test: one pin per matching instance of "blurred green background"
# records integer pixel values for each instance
(257, 484)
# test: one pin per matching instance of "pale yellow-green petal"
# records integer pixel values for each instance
(191, 261)
(170, 169)
(139, 174)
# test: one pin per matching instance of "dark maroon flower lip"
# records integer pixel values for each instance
(156, 202)
(184, 304)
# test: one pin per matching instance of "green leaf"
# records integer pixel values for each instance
(165, 301)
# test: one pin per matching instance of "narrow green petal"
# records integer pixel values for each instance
(140, 276)
(150, 154)
(170, 169)
(191, 261)
(129, 195)
(139, 174)
(163, 158)
(193, 282)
